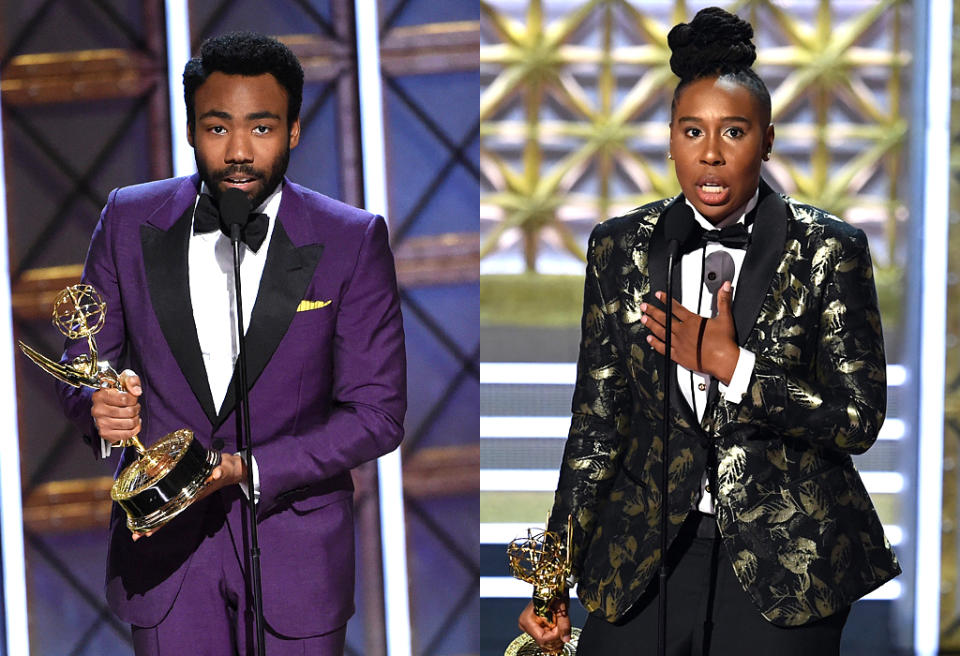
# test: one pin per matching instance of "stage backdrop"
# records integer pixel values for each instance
(85, 109)
(575, 105)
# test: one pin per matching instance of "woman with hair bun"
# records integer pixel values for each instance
(778, 379)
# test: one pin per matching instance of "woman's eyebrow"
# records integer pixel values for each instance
(726, 119)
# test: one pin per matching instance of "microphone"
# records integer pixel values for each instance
(235, 214)
(234, 211)
(679, 227)
(717, 269)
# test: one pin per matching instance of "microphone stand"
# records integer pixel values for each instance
(672, 249)
(245, 441)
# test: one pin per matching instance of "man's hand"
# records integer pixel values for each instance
(230, 471)
(550, 637)
(718, 350)
(116, 414)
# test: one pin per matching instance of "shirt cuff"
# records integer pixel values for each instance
(105, 449)
(740, 380)
(256, 479)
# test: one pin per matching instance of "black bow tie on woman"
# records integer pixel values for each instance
(732, 236)
(206, 218)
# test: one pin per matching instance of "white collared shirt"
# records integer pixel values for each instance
(695, 296)
(212, 295)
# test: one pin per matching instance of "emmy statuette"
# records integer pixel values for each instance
(169, 475)
(543, 560)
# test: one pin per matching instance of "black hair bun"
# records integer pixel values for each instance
(714, 42)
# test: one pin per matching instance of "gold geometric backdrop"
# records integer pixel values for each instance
(575, 106)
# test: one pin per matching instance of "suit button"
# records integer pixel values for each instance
(702, 387)
(707, 488)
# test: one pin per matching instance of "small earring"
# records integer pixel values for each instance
(766, 157)
(669, 155)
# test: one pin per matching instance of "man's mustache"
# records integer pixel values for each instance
(238, 172)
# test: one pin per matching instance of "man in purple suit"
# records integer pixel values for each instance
(326, 369)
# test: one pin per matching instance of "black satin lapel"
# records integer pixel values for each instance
(286, 275)
(165, 261)
(760, 263)
(657, 270)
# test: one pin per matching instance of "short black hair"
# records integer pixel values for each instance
(244, 53)
(716, 43)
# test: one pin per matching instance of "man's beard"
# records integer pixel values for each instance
(276, 173)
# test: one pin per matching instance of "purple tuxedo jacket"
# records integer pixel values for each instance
(327, 392)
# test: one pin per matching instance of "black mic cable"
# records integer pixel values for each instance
(679, 224)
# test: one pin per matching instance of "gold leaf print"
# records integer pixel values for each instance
(681, 466)
(631, 307)
(797, 555)
(595, 467)
(814, 500)
(746, 567)
(640, 259)
(802, 394)
(847, 265)
(778, 457)
(603, 373)
(774, 511)
(819, 263)
(809, 461)
(833, 315)
(731, 469)
(840, 557)
(594, 322)
(825, 600)
(602, 251)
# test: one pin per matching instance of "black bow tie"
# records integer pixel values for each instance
(206, 218)
(733, 236)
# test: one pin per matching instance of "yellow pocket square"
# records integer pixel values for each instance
(311, 305)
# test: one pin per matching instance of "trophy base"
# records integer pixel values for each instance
(167, 478)
(525, 645)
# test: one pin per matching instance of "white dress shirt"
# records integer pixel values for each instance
(212, 294)
(695, 296)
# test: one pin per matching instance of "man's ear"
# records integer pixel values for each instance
(190, 129)
(295, 132)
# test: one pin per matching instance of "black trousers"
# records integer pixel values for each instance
(708, 612)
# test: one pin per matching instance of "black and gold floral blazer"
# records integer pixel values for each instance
(794, 515)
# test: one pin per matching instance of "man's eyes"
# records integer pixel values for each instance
(259, 129)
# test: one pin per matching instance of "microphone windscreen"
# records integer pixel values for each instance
(234, 207)
(679, 223)
(718, 268)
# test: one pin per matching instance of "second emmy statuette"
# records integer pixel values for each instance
(542, 559)
(168, 476)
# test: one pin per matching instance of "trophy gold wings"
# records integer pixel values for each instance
(542, 559)
(169, 475)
